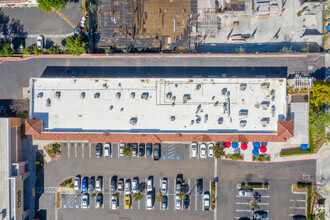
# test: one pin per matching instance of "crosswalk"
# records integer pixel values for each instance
(40, 190)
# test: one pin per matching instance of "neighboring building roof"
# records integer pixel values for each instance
(300, 117)
(33, 126)
(285, 129)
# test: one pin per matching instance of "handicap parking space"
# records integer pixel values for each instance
(170, 151)
(243, 207)
(70, 201)
(298, 204)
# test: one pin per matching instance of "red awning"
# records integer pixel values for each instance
(227, 144)
(263, 149)
(244, 146)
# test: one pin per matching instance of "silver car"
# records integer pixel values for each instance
(40, 42)
(98, 184)
(127, 187)
(114, 202)
(121, 149)
(203, 150)
(85, 201)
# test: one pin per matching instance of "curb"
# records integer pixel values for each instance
(242, 161)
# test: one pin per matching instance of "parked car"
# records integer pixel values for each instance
(149, 149)
(84, 185)
(99, 200)
(113, 184)
(203, 151)
(141, 150)
(91, 184)
(206, 201)
(299, 217)
(120, 185)
(149, 200)
(135, 185)
(98, 184)
(164, 203)
(121, 149)
(40, 42)
(127, 187)
(245, 192)
(164, 186)
(77, 182)
(177, 202)
(186, 202)
(178, 184)
(194, 149)
(114, 202)
(200, 186)
(85, 201)
(260, 214)
(98, 150)
(134, 150)
(244, 218)
(107, 150)
(150, 184)
(127, 202)
(156, 151)
(210, 147)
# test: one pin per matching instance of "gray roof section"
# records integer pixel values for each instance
(300, 116)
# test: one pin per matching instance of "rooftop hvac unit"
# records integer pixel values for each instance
(132, 95)
(198, 120)
(265, 121)
(265, 85)
(265, 104)
(40, 94)
(48, 102)
(169, 95)
(220, 121)
(243, 112)
(272, 92)
(206, 117)
(111, 107)
(173, 98)
(118, 95)
(273, 111)
(192, 122)
(186, 97)
(225, 108)
(198, 86)
(216, 103)
(104, 85)
(172, 118)
(145, 95)
(58, 94)
(82, 95)
(224, 91)
(133, 121)
(97, 95)
(242, 123)
(243, 86)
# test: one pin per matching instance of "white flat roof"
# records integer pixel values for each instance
(71, 112)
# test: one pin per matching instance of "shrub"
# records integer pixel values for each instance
(55, 49)
(160, 197)
(26, 51)
(75, 45)
(48, 5)
(37, 51)
(127, 151)
(182, 195)
(6, 50)
(138, 196)
(219, 152)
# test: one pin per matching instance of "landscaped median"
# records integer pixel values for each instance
(66, 184)
(213, 193)
(253, 185)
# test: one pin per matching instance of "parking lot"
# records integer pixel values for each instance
(298, 204)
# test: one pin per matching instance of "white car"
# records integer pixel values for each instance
(210, 149)
(164, 186)
(85, 201)
(206, 201)
(107, 150)
(203, 150)
(77, 184)
(245, 192)
(149, 185)
(177, 202)
(98, 184)
(121, 149)
(40, 42)
(127, 188)
(114, 202)
(120, 185)
(135, 185)
(194, 149)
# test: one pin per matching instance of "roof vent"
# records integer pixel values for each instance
(192, 122)
(48, 102)
(206, 117)
(220, 121)
(145, 95)
(224, 91)
(133, 121)
(58, 94)
(111, 107)
(198, 86)
(242, 123)
(265, 104)
(243, 112)
(118, 95)
(243, 86)
(172, 118)
(265, 121)
(186, 97)
(273, 111)
(272, 92)
(265, 85)
(82, 95)
(132, 95)
(105, 85)
(198, 120)
(216, 103)
(40, 94)
(97, 95)
(173, 98)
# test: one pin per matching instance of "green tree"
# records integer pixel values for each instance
(286, 50)
(37, 51)
(219, 152)
(127, 151)
(305, 49)
(320, 93)
(49, 5)
(108, 51)
(137, 196)
(160, 197)
(81, 9)
(117, 195)
(54, 49)
(26, 51)
(6, 50)
(75, 45)
(182, 196)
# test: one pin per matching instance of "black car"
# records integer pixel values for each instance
(141, 150)
(92, 183)
(299, 217)
(164, 203)
(260, 214)
(186, 202)
(244, 218)
(149, 149)
(156, 151)
(113, 183)
(19, 43)
(199, 186)
(98, 150)
(99, 200)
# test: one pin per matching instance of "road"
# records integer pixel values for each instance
(15, 74)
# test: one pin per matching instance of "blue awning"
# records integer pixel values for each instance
(256, 144)
(234, 145)
(255, 151)
(328, 28)
(304, 146)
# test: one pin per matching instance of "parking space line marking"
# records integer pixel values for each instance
(241, 210)
(297, 207)
(174, 195)
(68, 149)
(297, 200)
(118, 151)
(245, 196)
(110, 202)
(90, 150)
(243, 203)
(263, 203)
(264, 196)
(75, 149)
(139, 204)
(83, 148)
(195, 195)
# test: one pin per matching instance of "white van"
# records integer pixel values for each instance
(149, 201)
(107, 149)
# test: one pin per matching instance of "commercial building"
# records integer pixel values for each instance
(157, 110)
(12, 170)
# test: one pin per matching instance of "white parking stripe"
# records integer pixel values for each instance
(297, 207)
(263, 203)
(195, 196)
(243, 203)
(264, 196)
(83, 150)
(241, 210)
(118, 151)
(174, 196)
(297, 200)
(75, 149)
(244, 196)
(68, 149)
(90, 150)
(139, 204)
